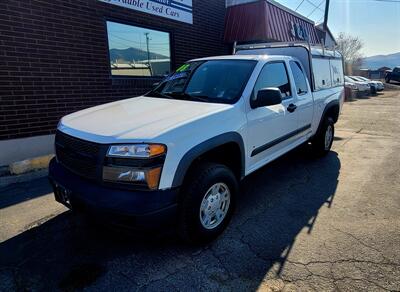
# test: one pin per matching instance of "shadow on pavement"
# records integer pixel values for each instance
(277, 202)
(15, 194)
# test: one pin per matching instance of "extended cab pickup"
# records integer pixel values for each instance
(177, 154)
(393, 75)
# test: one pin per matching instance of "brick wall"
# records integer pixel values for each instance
(54, 58)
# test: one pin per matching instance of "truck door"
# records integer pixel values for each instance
(271, 128)
(302, 91)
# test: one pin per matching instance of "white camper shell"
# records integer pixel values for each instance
(324, 68)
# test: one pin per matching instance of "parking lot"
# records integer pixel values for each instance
(302, 224)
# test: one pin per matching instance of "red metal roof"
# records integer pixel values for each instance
(264, 21)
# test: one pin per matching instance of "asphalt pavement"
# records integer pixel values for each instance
(302, 224)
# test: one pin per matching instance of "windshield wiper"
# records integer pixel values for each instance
(178, 95)
(182, 96)
(158, 94)
(187, 96)
(199, 97)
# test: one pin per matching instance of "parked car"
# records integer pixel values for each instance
(379, 85)
(176, 154)
(393, 75)
(372, 85)
(351, 90)
(363, 87)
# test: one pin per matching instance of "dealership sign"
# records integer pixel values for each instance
(180, 10)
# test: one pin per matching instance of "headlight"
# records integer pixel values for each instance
(136, 150)
(126, 174)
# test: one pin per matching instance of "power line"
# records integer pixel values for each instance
(316, 7)
(118, 37)
(299, 5)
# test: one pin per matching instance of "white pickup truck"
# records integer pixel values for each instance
(176, 155)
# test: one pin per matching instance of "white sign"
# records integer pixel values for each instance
(180, 10)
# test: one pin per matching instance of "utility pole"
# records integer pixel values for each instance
(148, 52)
(326, 16)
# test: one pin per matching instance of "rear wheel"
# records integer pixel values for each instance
(322, 141)
(207, 202)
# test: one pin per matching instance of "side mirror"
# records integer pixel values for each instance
(266, 97)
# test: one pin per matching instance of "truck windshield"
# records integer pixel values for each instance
(219, 81)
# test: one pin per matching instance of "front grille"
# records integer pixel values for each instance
(79, 156)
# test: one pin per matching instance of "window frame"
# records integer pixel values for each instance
(287, 76)
(304, 75)
(139, 25)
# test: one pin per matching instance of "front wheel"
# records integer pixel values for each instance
(207, 202)
(387, 79)
(322, 141)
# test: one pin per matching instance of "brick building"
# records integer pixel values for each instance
(60, 56)
(56, 58)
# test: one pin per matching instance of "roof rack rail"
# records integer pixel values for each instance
(270, 45)
(311, 48)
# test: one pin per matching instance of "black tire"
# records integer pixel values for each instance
(319, 147)
(200, 179)
(387, 80)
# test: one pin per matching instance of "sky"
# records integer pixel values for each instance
(376, 23)
(122, 36)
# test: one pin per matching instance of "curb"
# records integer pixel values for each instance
(29, 165)
(26, 177)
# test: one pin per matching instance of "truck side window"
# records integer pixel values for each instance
(299, 78)
(273, 75)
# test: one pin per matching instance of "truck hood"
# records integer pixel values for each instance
(141, 118)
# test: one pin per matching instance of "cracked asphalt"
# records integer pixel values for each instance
(302, 224)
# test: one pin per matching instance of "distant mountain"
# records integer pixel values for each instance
(375, 62)
(130, 54)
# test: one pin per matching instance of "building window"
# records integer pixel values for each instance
(138, 51)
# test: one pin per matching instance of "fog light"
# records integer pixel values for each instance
(150, 177)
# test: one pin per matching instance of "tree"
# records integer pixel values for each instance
(350, 47)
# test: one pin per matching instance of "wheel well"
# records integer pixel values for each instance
(333, 112)
(228, 154)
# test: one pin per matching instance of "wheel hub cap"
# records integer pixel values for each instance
(215, 205)
(328, 137)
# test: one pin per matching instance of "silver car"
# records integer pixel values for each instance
(379, 84)
(363, 87)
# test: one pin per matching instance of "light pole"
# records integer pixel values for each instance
(148, 52)
(326, 16)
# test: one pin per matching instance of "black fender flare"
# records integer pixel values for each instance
(330, 105)
(202, 148)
